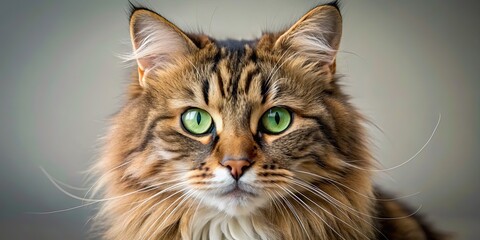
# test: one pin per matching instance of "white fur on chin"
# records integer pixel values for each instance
(231, 216)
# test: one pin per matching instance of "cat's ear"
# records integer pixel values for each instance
(156, 41)
(315, 36)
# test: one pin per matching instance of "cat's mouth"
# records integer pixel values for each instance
(237, 199)
(234, 197)
(238, 191)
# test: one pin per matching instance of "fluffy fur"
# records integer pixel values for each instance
(312, 181)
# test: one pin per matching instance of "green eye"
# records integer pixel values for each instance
(276, 120)
(196, 121)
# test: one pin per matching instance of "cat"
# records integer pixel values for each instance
(239, 139)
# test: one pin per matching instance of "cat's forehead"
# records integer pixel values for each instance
(235, 44)
(234, 53)
(235, 78)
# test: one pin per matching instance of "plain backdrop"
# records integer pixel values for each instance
(405, 64)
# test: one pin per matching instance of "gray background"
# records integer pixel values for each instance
(404, 63)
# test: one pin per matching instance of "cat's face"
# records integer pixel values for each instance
(237, 125)
(239, 128)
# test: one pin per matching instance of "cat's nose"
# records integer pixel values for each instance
(237, 167)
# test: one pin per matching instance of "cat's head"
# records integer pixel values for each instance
(237, 125)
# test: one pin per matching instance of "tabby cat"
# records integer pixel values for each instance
(242, 140)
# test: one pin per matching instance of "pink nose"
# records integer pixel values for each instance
(237, 167)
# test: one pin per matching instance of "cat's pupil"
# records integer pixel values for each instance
(199, 118)
(277, 118)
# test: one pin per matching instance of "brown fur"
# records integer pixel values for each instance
(315, 174)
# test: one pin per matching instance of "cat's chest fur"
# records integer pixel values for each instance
(209, 224)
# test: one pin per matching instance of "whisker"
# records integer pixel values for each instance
(314, 189)
(324, 195)
(329, 198)
(95, 201)
(292, 210)
(410, 159)
(276, 201)
(359, 193)
(103, 176)
(198, 206)
(193, 65)
(187, 197)
(311, 210)
(62, 210)
(62, 183)
(277, 67)
(339, 219)
(278, 204)
(140, 203)
(191, 204)
(158, 218)
(52, 180)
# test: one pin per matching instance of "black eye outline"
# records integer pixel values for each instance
(263, 129)
(209, 130)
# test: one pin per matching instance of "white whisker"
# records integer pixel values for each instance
(353, 190)
(91, 201)
(336, 207)
(306, 206)
(198, 206)
(140, 203)
(103, 176)
(190, 193)
(62, 210)
(410, 159)
(292, 209)
(165, 210)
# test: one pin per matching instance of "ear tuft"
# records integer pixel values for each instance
(316, 35)
(156, 41)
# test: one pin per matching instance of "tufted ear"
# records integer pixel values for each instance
(316, 35)
(156, 41)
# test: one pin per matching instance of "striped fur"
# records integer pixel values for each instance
(310, 182)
